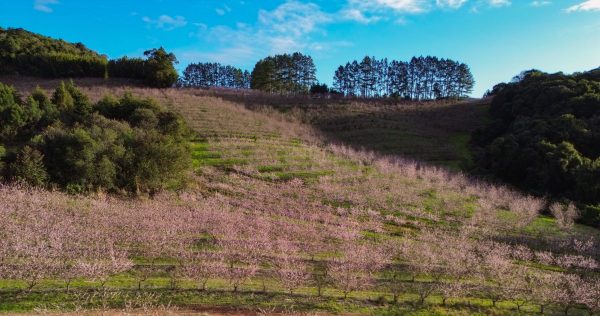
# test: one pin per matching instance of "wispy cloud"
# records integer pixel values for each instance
(589, 5)
(44, 5)
(540, 3)
(223, 10)
(453, 4)
(353, 14)
(293, 18)
(369, 11)
(396, 6)
(292, 26)
(166, 22)
(499, 3)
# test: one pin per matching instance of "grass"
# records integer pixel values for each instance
(121, 292)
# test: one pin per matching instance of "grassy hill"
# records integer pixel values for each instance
(26, 53)
(299, 173)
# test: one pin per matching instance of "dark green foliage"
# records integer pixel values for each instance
(160, 69)
(286, 73)
(545, 136)
(2, 155)
(26, 53)
(319, 89)
(423, 78)
(30, 54)
(125, 67)
(157, 70)
(206, 75)
(29, 167)
(128, 144)
(12, 116)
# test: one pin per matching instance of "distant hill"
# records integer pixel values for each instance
(26, 53)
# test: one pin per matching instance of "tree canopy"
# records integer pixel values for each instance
(288, 73)
(157, 70)
(127, 144)
(423, 78)
(545, 137)
(27, 53)
(207, 75)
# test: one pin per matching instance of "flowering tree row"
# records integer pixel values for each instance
(46, 235)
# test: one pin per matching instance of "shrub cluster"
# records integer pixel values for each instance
(127, 144)
(156, 70)
(545, 137)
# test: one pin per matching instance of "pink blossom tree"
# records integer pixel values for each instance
(355, 268)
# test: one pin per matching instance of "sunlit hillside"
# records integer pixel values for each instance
(320, 206)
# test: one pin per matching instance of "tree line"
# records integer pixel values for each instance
(423, 78)
(27, 53)
(544, 136)
(207, 75)
(30, 54)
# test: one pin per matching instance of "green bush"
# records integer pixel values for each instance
(544, 136)
(127, 144)
(29, 167)
(157, 70)
(160, 69)
(134, 68)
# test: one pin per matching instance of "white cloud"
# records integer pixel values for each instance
(398, 6)
(166, 22)
(499, 3)
(294, 18)
(44, 5)
(540, 3)
(368, 11)
(453, 4)
(358, 16)
(292, 26)
(222, 11)
(589, 5)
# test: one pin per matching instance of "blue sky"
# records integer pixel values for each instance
(497, 38)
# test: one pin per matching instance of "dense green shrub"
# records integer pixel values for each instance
(544, 137)
(26, 53)
(157, 70)
(125, 67)
(160, 69)
(127, 144)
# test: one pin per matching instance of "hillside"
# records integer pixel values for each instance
(26, 53)
(290, 216)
